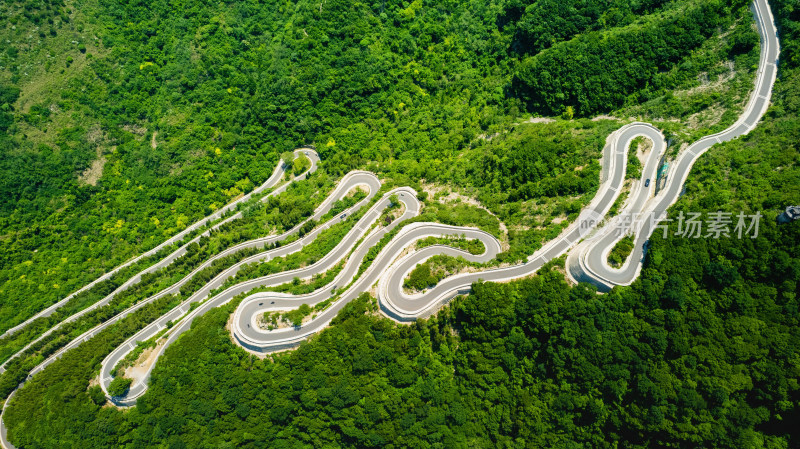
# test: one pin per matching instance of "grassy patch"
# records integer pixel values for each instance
(433, 270)
(621, 251)
(472, 246)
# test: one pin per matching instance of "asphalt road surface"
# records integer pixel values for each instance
(391, 264)
(589, 261)
(166, 261)
(274, 179)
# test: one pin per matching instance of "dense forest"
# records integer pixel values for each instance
(632, 57)
(126, 121)
(700, 352)
(184, 107)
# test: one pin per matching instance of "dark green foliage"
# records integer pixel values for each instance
(633, 170)
(252, 225)
(700, 352)
(536, 162)
(536, 363)
(296, 316)
(432, 271)
(192, 106)
(621, 251)
(420, 278)
(540, 24)
(119, 386)
(8, 95)
(46, 171)
(340, 205)
(144, 190)
(787, 16)
(97, 395)
(472, 246)
(300, 165)
(601, 71)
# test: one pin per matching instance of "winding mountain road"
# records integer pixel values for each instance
(273, 180)
(182, 321)
(393, 262)
(589, 261)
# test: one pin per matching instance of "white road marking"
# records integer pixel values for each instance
(567, 239)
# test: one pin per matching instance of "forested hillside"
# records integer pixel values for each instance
(602, 70)
(123, 121)
(126, 121)
(702, 351)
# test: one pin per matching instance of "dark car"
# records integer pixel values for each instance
(647, 183)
